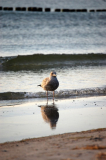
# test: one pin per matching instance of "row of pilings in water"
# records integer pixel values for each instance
(36, 9)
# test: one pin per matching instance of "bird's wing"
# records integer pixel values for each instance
(45, 82)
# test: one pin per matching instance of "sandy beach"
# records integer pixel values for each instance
(26, 131)
(89, 145)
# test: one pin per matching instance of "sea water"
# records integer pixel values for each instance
(28, 33)
(33, 44)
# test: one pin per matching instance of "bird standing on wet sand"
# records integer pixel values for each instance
(50, 84)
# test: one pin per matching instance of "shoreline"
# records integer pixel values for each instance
(77, 145)
(80, 130)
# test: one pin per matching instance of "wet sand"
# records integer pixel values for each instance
(89, 145)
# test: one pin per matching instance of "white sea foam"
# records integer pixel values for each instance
(68, 93)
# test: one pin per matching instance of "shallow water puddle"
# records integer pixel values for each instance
(34, 118)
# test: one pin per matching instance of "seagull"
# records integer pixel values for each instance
(50, 84)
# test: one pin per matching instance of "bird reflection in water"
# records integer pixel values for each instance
(50, 114)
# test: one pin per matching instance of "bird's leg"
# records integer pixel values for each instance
(53, 96)
(47, 96)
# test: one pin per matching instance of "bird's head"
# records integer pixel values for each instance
(53, 74)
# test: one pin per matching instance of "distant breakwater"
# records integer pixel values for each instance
(39, 9)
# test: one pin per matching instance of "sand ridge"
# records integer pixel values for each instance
(89, 144)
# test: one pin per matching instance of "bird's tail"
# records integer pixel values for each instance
(39, 85)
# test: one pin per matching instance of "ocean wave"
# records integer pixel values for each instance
(41, 61)
(58, 94)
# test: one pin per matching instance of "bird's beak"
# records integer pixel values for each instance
(54, 75)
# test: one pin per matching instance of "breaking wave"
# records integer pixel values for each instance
(58, 94)
(39, 61)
